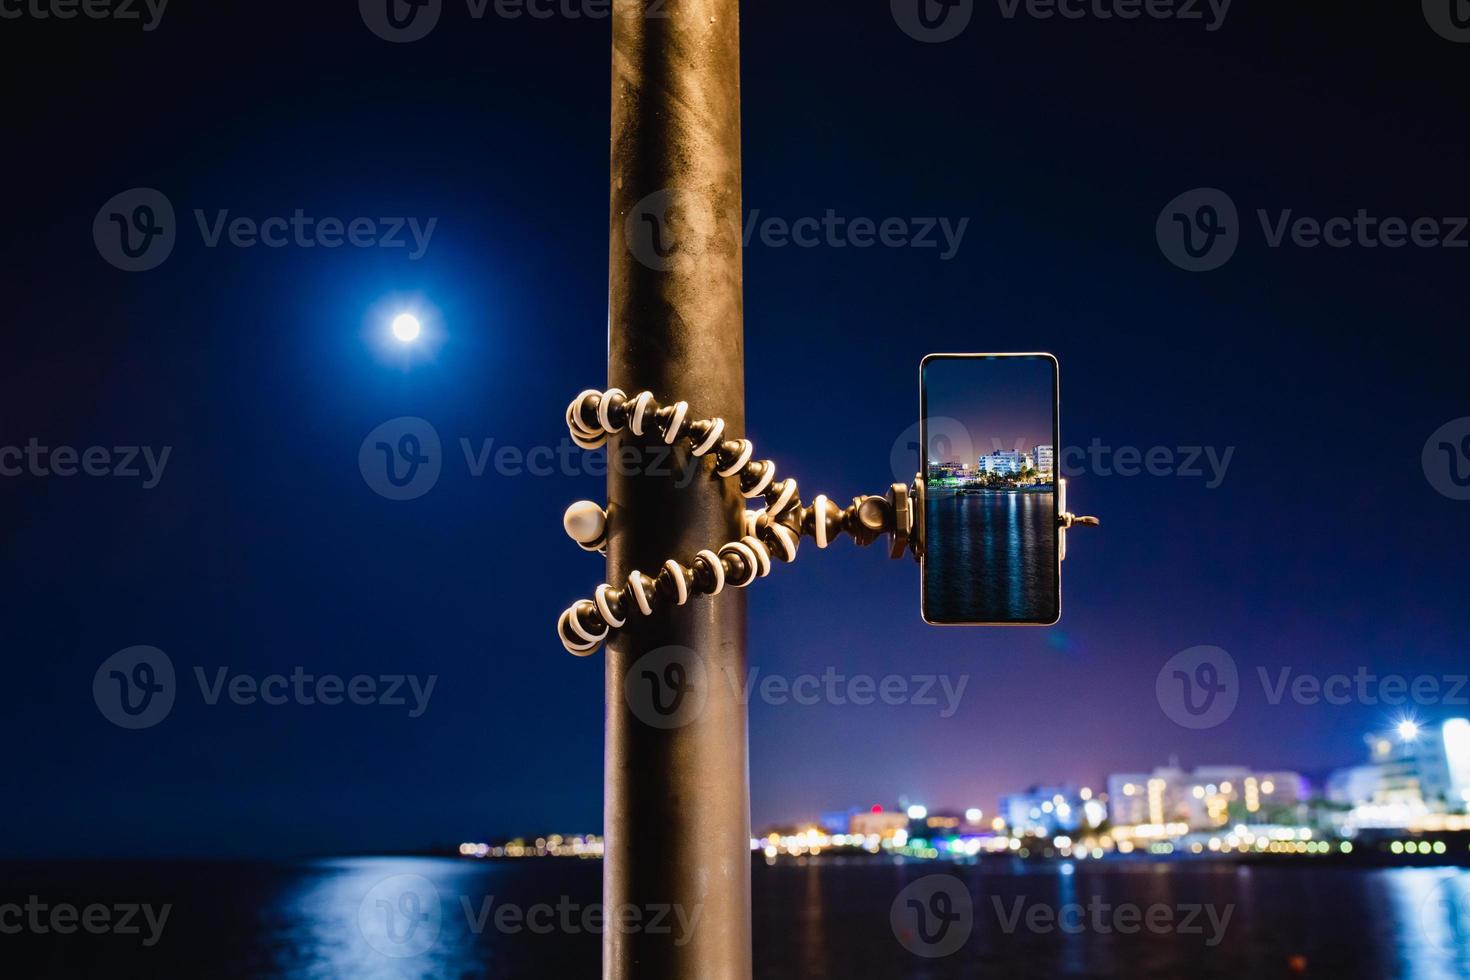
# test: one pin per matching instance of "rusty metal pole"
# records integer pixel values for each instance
(677, 796)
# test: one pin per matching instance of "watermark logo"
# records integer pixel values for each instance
(1445, 914)
(1446, 459)
(331, 690)
(1199, 687)
(667, 688)
(833, 230)
(42, 918)
(949, 439)
(1211, 13)
(1199, 230)
(1104, 918)
(148, 12)
(665, 225)
(1450, 19)
(401, 916)
(134, 688)
(401, 21)
(136, 230)
(569, 918)
(675, 225)
(933, 916)
(401, 459)
(933, 21)
(952, 446)
(120, 462)
(1363, 687)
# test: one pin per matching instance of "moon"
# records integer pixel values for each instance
(406, 327)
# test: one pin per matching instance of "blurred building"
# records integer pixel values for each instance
(1204, 798)
(1050, 810)
(838, 821)
(1410, 773)
(883, 823)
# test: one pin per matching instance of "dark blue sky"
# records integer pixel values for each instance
(999, 403)
(262, 548)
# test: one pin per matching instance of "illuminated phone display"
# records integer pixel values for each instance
(989, 435)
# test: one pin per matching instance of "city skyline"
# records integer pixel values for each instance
(1423, 768)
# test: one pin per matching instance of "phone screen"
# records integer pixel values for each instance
(989, 436)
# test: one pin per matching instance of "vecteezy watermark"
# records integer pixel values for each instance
(136, 688)
(1445, 914)
(1198, 687)
(299, 687)
(1187, 462)
(1211, 13)
(669, 688)
(64, 919)
(1363, 687)
(950, 441)
(933, 917)
(1450, 19)
(120, 462)
(149, 13)
(937, 21)
(832, 230)
(1200, 230)
(402, 459)
(137, 230)
(403, 916)
(675, 224)
(933, 21)
(405, 21)
(1201, 687)
(1446, 459)
(401, 21)
(1101, 918)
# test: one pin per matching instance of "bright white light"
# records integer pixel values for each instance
(406, 327)
(1408, 730)
(973, 815)
(1456, 733)
(917, 812)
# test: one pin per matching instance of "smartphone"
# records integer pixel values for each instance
(989, 437)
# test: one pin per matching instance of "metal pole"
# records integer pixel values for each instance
(677, 798)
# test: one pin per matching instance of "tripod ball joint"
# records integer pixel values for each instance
(586, 524)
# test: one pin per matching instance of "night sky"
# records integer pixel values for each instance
(262, 548)
(999, 403)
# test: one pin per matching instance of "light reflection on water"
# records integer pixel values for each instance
(1430, 909)
(399, 918)
(411, 918)
(991, 557)
(380, 919)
